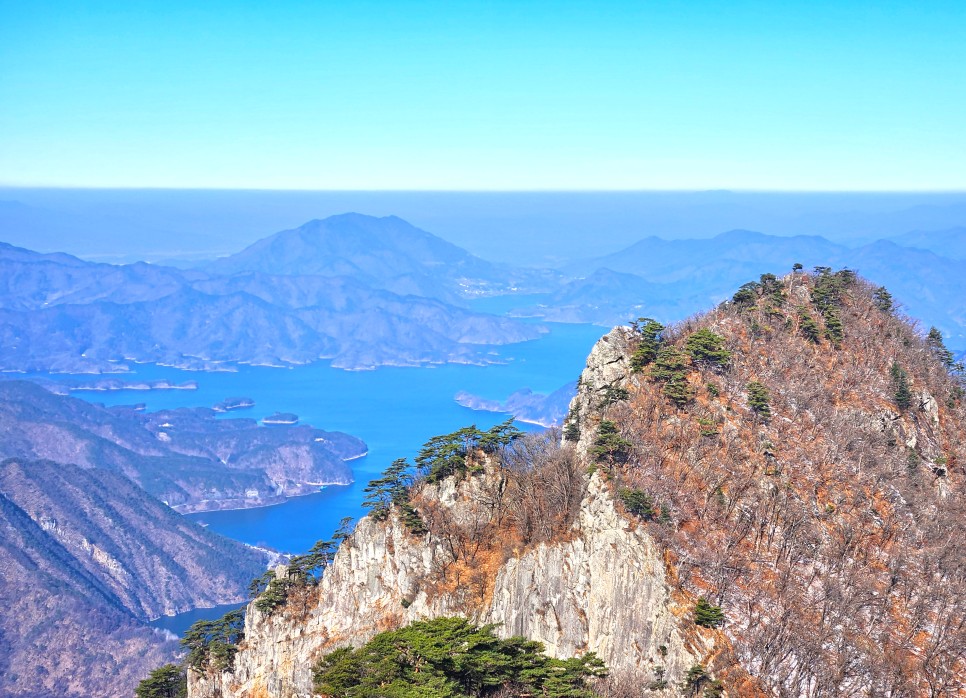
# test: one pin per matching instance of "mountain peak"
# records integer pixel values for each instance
(714, 489)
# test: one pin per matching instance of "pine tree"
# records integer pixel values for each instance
(648, 335)
(834, 331)
(758, 399)
(882, 299)
(454, 658)
(747, 295)
(671, 367)
(572, 428)
(706, 347)
(900, 381)
(213, 643)
(808, 327)
(387, 490)
(934, 340)
(610, 446)
(707, 615)
(168, 681)
(637, 502)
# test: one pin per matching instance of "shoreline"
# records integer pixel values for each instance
(516, 417)
(284, 498)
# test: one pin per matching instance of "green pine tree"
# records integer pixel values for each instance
(637, 502)
(934, 340)
(168, 681)
(648, 336)
(900, 382)
(808, 327)
(671, 367)
(759, 399)
(610, 446)
(706, 347)
(882, 299)
(451, 658)
(707, 615)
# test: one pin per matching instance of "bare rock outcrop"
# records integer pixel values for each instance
(603, 590)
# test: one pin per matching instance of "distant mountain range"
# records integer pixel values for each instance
(385, 253)
(364, 292)
(670, 280)
(945, 243)
(329, 296)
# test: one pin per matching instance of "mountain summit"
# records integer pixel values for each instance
(764, 500)
(386, 253)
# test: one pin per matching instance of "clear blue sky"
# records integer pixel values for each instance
(484, 95)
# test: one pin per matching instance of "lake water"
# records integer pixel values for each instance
(394, 410)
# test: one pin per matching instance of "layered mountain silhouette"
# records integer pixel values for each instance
(323, 291)
(386, 253)
(185, 457)
(364, 291)
(671, 279)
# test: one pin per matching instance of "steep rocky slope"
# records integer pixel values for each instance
(61, 631)
(600, 587)
(804, 473)
(151, 560)
(775, 504)
(87, 557)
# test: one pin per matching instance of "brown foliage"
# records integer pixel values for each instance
(832, 532)
(532, 497)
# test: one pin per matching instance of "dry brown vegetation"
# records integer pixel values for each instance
(828, 524)
(831, 531)
(532, 497)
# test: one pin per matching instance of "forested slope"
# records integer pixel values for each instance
(763, 500)
(799, 453)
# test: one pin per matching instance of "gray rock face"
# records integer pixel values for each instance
(607, 366)
(601, 588)
(604, 591)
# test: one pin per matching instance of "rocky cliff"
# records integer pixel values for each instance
(763, 500)
(603, 589)
(599, 583)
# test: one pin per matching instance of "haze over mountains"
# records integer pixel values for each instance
(669, 280)
(535, 229)
(384, 253)
(327, 297)
(365, 291)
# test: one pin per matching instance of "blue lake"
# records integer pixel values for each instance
(394, 410)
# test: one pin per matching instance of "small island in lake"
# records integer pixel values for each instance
(281, 418)
(526, 405)
(234, 403)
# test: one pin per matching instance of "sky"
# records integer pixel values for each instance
(517, 95)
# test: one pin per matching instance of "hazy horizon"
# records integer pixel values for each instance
(531, 228)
